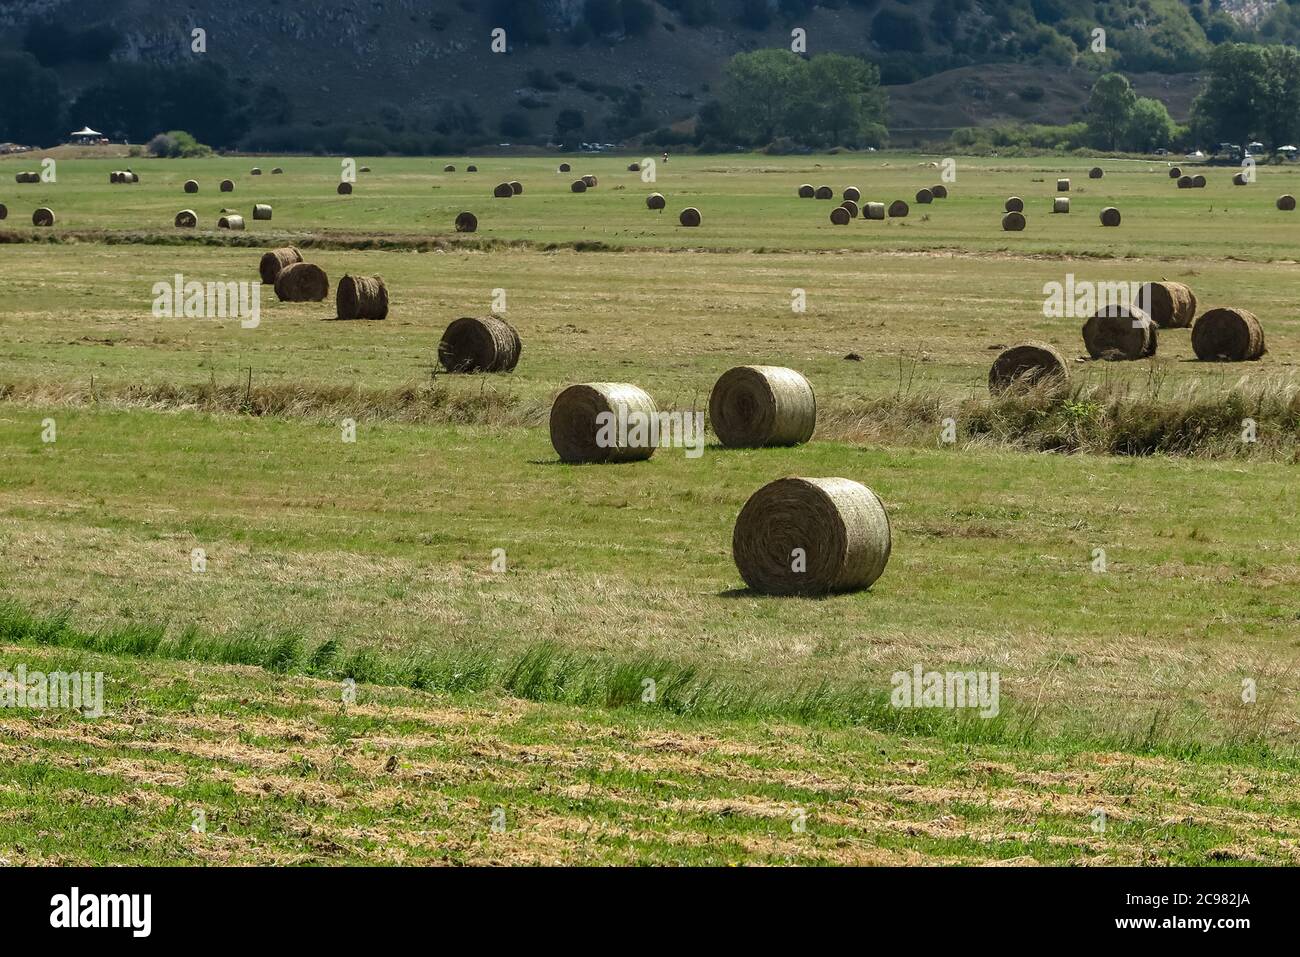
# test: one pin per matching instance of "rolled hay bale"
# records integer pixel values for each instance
(1175, 172)
(1239, 179)
(471, 168)
(823, 192)
(1199, 181)
(591, 181)
(898, 209)
(115, 176)
(4, 211)
(516, 187)
(1185, 182)
(255, 171)
(227, 186)
(277, 171)
(1062, 185)
(1013, 222)
(466, 222)
(261, 211)
(191, 186)
(690, 216)
(851, 192)
(602, 422)
(1061, 204)
(634, 167)
(924, 197)
(361, 297)
(566, 168)
(811, 536)
(806, 191)
(1110, 216)
(840, 216)
(43, 217)
(655, 201)
(1096, 173)
(130, 177)
(1014, 204)
(302, 282)
(449, 168)
(275, 261)
(503, 191)
(1171, 305)
(1228, 335)
(27, 176)
(345, 189)
(1286, 202)
(939, 191)
(232, 221)
(1030, 365)
(578, 186)
(364, 169)
(852, 207)
(473, 344)
(1120, 332)
(187, 219)
(873, 211)
(755, 406)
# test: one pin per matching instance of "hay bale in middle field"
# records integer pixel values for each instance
(852, 207)
(807, 191)
(255, 171)
(261, 211)
(924, 197)
(480, 344)
(345, 188)
(1061, 204)
(1286, 202)
(1120, 332)
(4, 211)
(302, 282)
(227, 185)
(1029, 365)
(361, 297)
(187, 219)
(1228, 335)
(690, 216)
(851, 192)
(939, 191)
(503, 191)
(873, 210)
(275, 261)
(1013, 222)
(232, 221)
(578, 186)
(755, 406)
(898, 209)
(655, 201)
(43, 217)
(516, 187)
(840, 216)
(191, 186)
(602, 422)
(1185, 182)
(824, 192)
(591, 181)
(1239, 179)
(1171, 305)
(1096, 173)
(466, 222)
(1110, 216)
(1199, 181)
(1175, 172)
(1014, 204)
(1062, 185)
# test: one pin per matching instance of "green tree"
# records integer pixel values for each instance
(1109, 108)
(1149, 127)
(1229, 108)
(1279, 107)
(758, 91)
(31, 109)
(847, 105)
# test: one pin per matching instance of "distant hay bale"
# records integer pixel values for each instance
(851, 192)
(191, 186)
(690, 216)
(471, 168)
(824, 192)
(277, 171)
(578, 186)
(131, 177)
(1171, 305)
(755, 406)
(852, 207)
(1239, 179)
(27, 176)
(4, 211)
(602, 422)
(364, 169)
(1030, 365)
(807, 191)
(1199, 181)
(840, 216)
(187, 219)
(939, 191)
(361, 297)
(255, 171)
(811, 536)
(479, 344)
(345, 188)
(591, 181)
(1096, 173)
(503, 191)
(1228, 335)
(261, 211)
(1175, 172)
(43, 217)
(449, 168)
(1014, 205)
(1120, 332)
(1062, 185)
(1286, 202)
(898, 209)
(233, 221)
(1110, 216)
(275, 261)
(1013, 222)
(873, 211)
(1185, 182)
(466, 222)
(924, 197)
(655, 201)
(566, 168)
(1061, 204)
(516, 187)
(227, 186)
(115, 176)
(634, 167)
(302, 282)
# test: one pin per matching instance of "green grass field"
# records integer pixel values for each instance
(770, 738)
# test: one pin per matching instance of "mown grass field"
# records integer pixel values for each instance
(329, 560)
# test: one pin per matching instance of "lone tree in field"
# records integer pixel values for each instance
(1109, 109)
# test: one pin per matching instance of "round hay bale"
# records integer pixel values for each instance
(566, 168)
(578, 186)
(277, 171)
(4, 211)
(275, 261)
(1239, 179)
(852, 207)
(302, 282)
(1110, 216)
(840, 216)
(187, 219)
(806, 191)
(1171, 305)
(233, 221)
(1286, 202)
(361, 297)
(924, 197)
(754, 406)
(1228, 335)
(1199, 181)
(503, 191)
(1013, 222)
(131, 177)
(516, 187)
(1096, 173)
(471, 168)
(1014, 204)
(227, 186)
(811, 536)
(1061, 204)
(898, 209)
(598, 422)
(1062, 185)
(590, 180)
(634, 167)
(191, 186)
(261, 211)
(1029, 365)
(873, 211)
(690, 216)
(345, 189)
(1119, 332)
(655, 201)
(466, 222)
(473, 344)
(823, 192)
(364, 169)
(1185, 182)
(43, 217)
(449, 168)
(1175, 172)
(939, 191)
(115, 176)
(255, 171)
(851, 192)
(27, 176)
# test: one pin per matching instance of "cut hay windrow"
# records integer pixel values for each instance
(1286, 202)
(43, 217)
(466, 222)
(233, 221)
(1228, 335)
(502, 191)
(811, 536)
(578, 186)
(480, 344)
(873, 211)
(1096, 173)
(851, 193)
(1061, 204)
(1030, 365)
(191, 186)
(361, 297)
(187, 219)
(275, 261)
(1110, 216)
(261, 211)
(840, 216)
(924, 197)
(227, 185)
(807, 191)
(756, 406)
(1120, 333)
(898, 209)
(655, 201)
(1014, 204)
(939, 191)
(302, 282)
(345, 188)
(604, 422)
(690, 216)
(1171, 305)
(824, 192)
(1013, 222)
(852, 207)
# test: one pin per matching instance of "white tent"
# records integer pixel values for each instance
(85, 133)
